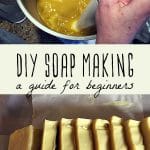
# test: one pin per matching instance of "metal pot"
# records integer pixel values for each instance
(29, 8)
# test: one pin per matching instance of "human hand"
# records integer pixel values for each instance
(119, 20)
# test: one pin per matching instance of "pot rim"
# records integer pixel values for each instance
(48, 30)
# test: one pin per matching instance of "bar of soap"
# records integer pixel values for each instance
(27, 138)
(133, 135)
(145, 127)
(49, 135)
(117, 134)
(101, 134)
(84, 139)
(66, 138)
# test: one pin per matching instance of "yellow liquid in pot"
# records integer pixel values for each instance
(59, 15)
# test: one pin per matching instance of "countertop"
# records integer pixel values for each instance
(29, 32)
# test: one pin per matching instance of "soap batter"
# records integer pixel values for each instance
(61, 15)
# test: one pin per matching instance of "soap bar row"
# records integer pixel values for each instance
(84, 134)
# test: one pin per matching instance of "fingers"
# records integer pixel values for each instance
(138, 7)
(114, 2)
(124, 2)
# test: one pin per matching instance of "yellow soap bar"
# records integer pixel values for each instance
(84, 139)
(133, 135)
(101, 134)
(27, 138)
(117, 134)
(145, 127)
(49, 135)
(66, 138)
